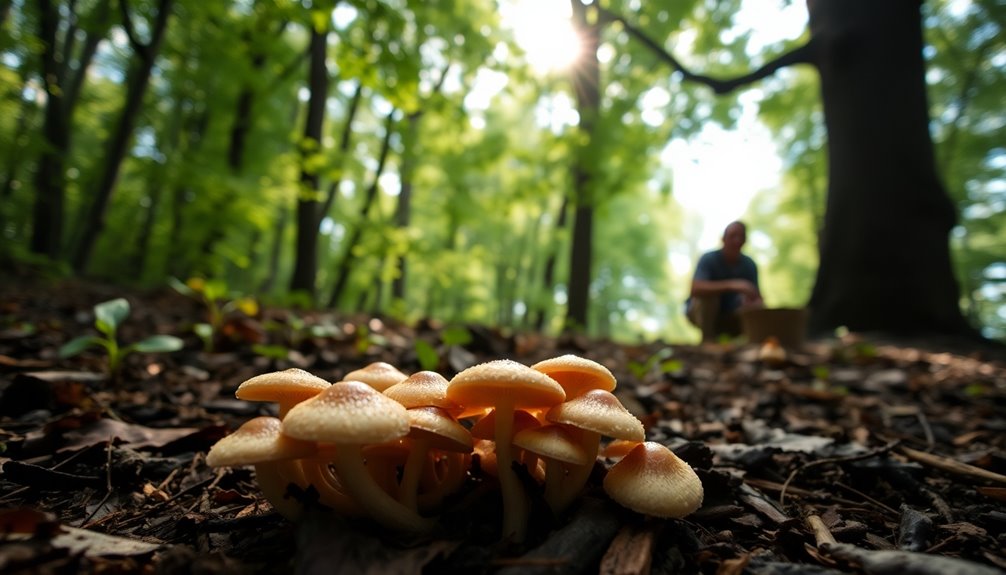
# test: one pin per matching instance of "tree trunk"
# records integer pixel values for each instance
(885, 258)
(586, 84)
(305, 268)
(403, 211)
(346, 263)
(136, 87)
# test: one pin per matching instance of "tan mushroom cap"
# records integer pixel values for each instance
(423, 389)
(441, 430)
(651, 480)
(286, 387)
(485, 427)
(348, 412)
(576, 374)
(379, 375)
(258, 440)
(486, 384)
(552, 442)
(599, 411)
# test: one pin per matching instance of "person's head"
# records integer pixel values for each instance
(734, 237)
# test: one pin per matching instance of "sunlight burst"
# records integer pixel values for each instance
(544, 31)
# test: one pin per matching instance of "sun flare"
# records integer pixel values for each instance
(544, 30)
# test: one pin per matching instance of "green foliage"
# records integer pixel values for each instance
(108, 316)
(219, 303)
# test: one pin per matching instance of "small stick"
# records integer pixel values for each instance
(860, 457)
(821, 532)
(952, 465)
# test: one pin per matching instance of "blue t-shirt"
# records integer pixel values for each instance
(712, 267)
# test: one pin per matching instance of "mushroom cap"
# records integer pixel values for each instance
(618, 448)
(485, 427)
(552, 442)
(423, 389)
(348, 412)
(577, 374)
(258, 440)
(379, 375)
(651, 480)
(288, 386)
(503, 380)
(442, 430)
(599, 411)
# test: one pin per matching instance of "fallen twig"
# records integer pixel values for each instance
(952, 465)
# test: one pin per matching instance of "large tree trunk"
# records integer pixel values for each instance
(586, 84)
(305, 269)
(885, 259)
(136, 87)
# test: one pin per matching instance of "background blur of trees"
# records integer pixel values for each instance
(347, 152)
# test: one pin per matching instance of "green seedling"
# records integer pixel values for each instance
(108, 316)
(661, 360)
(214, 296)
(426, 353)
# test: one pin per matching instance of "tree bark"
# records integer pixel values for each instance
(346, 263)
(884, 250)
(305, 269)
(885, 255)
(136, 87)
(586, 84)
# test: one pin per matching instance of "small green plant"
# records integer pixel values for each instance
(219, 303)
(108, 316)
(427, 354)
(661, 359)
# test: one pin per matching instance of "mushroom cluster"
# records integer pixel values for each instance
(391, 447)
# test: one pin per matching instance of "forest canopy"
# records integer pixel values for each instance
(420, 159)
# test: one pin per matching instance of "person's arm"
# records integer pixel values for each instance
(702, 287)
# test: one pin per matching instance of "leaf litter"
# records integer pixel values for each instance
(854, 456)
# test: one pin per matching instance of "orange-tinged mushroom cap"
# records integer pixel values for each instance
(379, 375)
(442, 430)
(651, 480)
(552, 442)
(576, 374)
(599, 411)
(423, 389)
(258, 440)
(348, 412)
(485, 427)
(287, 387)
(503, 380)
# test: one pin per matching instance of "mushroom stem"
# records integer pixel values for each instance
(369, 495)
(273, 486)
(409, 487)
(555, 473)
(578, 475)
(330, 491)
(453, 479)
(515, 506)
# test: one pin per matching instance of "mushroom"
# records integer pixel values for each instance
(287, 388)
(423, 389)
(431, 428)
(556, 445)
(485, 428)
(576, 374)
(617, 448)
(351, 414)
(652, 480)
(771, 353)
(259, 442)
(597, 412)
(379, 375)
(506, 385)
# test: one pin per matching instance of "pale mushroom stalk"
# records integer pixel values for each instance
(515, 506)
(375, 501)
(414, 464)
(576, 479)
(453, 479)
(555, 472)
(330, 491)
(273, 486)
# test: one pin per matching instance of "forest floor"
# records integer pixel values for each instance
(854, 456)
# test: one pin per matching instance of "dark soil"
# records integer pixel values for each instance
(852, 456)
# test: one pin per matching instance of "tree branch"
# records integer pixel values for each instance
(127, 25)
(804, 54)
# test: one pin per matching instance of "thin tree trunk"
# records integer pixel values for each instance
(136, 87)
(548, 274)
(586, 84)
(305, 269)
(348, 257)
